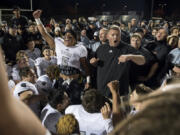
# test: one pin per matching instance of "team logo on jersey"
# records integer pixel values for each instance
(110, 51)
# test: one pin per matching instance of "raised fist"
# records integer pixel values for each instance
(113, 86)
(94, 61)
(37, 14)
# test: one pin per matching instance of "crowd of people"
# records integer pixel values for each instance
(89, 77)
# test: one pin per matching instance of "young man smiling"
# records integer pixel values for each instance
(69, 53)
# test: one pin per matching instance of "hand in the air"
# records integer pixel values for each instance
(37, 14)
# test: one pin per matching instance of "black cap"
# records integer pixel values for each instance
(139, 30)
(61, 25)
(13, 26)
(16, 8)
(177, 64)
(144, 27)
(4, 22)
(31, 23)
(92, 23)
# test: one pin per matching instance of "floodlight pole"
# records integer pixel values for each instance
(152, 8)
(31, 4)
(0, 16)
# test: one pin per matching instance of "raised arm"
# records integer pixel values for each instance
(42, 30)
(94, 61)
(106, 113)
(15, 116)
(116, 114)
(39, 70)
(84, 64)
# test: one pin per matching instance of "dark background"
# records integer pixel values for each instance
(162, 8)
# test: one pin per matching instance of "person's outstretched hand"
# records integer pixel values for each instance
(94, 61)
(106, 111)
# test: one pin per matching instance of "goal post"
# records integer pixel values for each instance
(6, 10)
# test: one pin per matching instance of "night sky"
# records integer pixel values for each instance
(91, 7)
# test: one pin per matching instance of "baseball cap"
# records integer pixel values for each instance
(13, 26)
(16, 8)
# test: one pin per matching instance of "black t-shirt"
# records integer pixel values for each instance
(125, 37)
(108, 68)
(160, 49)
(90, 33)
(142, 70)
(22, 21)
(11, 45)
(74, 89)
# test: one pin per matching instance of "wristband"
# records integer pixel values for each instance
(38, 21)
(88, 79)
